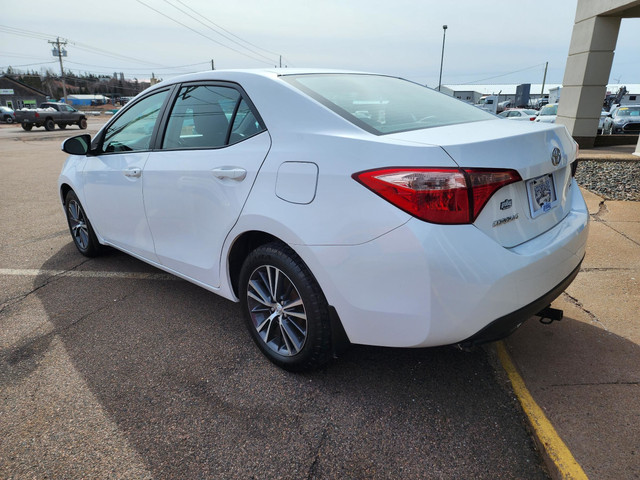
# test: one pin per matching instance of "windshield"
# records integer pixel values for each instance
(383, 105)
(628, 112)
(551, 109)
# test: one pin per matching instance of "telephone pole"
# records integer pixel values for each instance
(60, 52)
(544, 79)
(444, 35)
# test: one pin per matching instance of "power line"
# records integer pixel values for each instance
(227, 31)
(80, 45)
(505, 74)
(28, 64)
(202, 34)
(218, 33)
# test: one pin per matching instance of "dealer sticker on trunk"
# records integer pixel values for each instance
(542, 194)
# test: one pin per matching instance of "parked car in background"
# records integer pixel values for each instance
(502, 106)
(50, 114)
(7, 115)
(603, 116)
(335, 207)
(548, 113)
(519, 114)
(621, 120)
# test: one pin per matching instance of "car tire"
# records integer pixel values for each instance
(49, 125)
(27, 127)
(62, 126)
(82, 123)
(8, 119)
(285, 310)
(81, 230)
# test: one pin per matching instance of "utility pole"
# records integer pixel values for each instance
(59, 52)
(444, 35)
(280, 61)
(544, 79)
(212, 65)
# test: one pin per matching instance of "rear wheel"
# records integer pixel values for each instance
(49, 124)
(284, 308)
(81, 231)
(8, 119)
(27, 126)
(82, 123)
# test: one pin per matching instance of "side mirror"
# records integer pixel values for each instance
(78, 145)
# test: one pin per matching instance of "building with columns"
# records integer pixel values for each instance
(593, 43)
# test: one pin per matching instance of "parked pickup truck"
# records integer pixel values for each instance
(49, 115)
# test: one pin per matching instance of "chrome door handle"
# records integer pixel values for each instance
(133, 172)
(233, 173)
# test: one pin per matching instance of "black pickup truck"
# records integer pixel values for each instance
(50, 114)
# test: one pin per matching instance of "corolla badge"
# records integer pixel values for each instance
(556, 156)
(506, 204)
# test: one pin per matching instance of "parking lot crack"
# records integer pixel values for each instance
(10, 351)
(19, 298)
(602, 210)
(590, 314)
(314, 466)
(592, 384)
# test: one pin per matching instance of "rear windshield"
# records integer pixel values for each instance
(382, 105)
(551, 109)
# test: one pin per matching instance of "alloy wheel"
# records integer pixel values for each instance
(78, 225)
(277, 310)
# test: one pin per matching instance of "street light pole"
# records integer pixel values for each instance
(444, 34)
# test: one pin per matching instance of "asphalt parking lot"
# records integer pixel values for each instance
(110, 368)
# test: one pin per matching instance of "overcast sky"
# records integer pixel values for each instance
(486, 41)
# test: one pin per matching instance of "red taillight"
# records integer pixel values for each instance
(437, 195)
(532, 118)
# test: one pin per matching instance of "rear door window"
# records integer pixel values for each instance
(209, 116)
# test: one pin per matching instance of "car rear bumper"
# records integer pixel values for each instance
(424, 285)
(506, 325)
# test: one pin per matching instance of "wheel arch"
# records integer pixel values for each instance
(65, 188)
(244, 244)
(248, 241)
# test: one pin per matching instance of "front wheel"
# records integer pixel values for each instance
(8, 119)
(82, 123)
(49, 125)
(81, 230)
(284, 308)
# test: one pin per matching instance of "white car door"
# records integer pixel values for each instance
(113, 178)
(196, 184)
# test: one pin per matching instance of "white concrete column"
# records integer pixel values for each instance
(584, 87)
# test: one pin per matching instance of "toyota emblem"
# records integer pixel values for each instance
(556, 156)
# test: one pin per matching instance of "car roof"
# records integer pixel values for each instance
(272, 73)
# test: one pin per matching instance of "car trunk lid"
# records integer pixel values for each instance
(541, 154)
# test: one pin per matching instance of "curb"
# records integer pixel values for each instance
(557, 456)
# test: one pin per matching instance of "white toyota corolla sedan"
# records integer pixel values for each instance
(336, 207)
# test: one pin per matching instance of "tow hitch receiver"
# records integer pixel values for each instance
(549, 315)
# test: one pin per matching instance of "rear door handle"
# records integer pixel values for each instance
(133, 172)
(233, 173)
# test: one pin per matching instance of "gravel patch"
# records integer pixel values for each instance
(612, 180)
